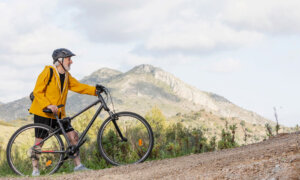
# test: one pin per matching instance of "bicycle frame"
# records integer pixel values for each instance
(81, 138)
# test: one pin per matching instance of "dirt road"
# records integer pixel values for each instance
(277, 158)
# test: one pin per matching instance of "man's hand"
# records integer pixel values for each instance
(53, 108)
(100, 88)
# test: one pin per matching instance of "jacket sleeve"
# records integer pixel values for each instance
(78, 87)
(40, 89)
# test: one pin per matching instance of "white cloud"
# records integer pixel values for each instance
(199, 37)
(225, 66)
(16, 82)
(119, 21)
(156, 27)
(268, 16)
(122, 33)
(162, 27)
(190, 27)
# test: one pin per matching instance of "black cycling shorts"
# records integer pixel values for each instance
(42, 133)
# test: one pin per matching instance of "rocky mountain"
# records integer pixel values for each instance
(103, 74)
(15, 109)
(140, 89)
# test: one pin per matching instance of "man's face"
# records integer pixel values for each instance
(67, 63)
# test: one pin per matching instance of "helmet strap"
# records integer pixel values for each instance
(62, 64)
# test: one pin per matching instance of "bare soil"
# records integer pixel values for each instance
(276, 158)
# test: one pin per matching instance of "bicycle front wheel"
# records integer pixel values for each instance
(137, 143)
(24, 153)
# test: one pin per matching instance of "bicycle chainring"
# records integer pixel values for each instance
(72, 152)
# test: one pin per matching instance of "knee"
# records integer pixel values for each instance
(73, 137)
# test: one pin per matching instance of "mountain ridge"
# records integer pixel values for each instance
(102, 74)
(144, 86)
(191, 93)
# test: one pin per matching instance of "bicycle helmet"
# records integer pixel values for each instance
(61, 53)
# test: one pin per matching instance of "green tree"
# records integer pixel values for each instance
(226, 140)
(157, 121)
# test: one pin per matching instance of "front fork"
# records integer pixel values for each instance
(114, 118)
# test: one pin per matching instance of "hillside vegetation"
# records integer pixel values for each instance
(276, 158)
(212, 125)
(6, 131)
(176, 136)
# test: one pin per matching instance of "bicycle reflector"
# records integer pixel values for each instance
(140, 142)
(48, 163)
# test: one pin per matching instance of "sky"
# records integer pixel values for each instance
(244, 50)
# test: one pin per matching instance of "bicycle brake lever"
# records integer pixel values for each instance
(105, 91)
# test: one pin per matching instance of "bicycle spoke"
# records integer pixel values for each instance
(24, 154)
(135, 149)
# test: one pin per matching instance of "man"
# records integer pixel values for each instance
(50, 95)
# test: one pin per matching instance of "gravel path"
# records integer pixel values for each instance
(276, 158)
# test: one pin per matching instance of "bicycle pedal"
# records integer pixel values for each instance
(66, 158)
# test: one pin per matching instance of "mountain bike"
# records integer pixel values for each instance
(123, 138)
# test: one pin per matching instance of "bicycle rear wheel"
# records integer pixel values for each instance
(23, 154)
(139, 137)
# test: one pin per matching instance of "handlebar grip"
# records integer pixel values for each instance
(47, 110)
(50, 111)
(100, 88)
(60, 106)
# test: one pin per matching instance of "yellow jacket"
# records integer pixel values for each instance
(51, 95)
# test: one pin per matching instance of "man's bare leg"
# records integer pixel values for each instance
(35, 162)
(73, 137)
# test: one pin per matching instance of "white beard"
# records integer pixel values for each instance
(68, 68)
(56, 63)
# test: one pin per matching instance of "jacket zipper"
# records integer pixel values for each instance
(58, 83)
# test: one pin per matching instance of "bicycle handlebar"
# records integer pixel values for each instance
(50, 111)
(99, 89)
